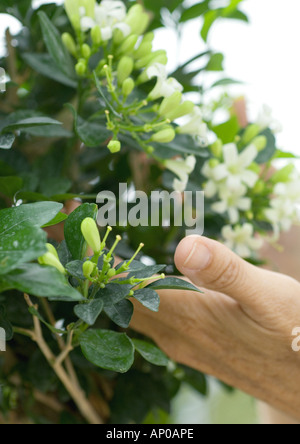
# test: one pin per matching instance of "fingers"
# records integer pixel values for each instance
(212, 265)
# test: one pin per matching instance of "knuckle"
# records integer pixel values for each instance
(228, 275)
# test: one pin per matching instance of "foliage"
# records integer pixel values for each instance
(89, 105)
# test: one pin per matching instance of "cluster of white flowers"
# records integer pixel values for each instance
(283, 211)
(231, 180)
(182, 169)
(241, 239)
(265, 120)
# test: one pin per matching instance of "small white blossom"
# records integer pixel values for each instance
(215, 174)
(232, 202)
(241, 239)
(195, 126)
(165, 87)
(182, 168)
(108, 15)
(265, 120)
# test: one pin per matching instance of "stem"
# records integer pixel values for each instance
(75, 391)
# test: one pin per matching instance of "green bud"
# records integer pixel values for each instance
(91, 234)
(149, 37)
(213, 163)
(160, 58)
(88, 269)
(51, 249)
(137, 19)
(69, 43)
(81, 68)
(52, 261)
(114, 146)
(250, 133)
(86, 51)
(255, 168)
(111, 273)
(127, 87)
(185, 108)
(150, 59)
(164, 136)
(217, 148)
(260, 142)
(259, 187)
(128, 45)
(283, 175)
(125, 68)
(131, 293)
(249, 215)
(143, 50)
(170, 103)
(96, 36)
(118, 37)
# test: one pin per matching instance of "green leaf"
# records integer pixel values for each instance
(120, 313)
(151, 353)
(265, 155)
(10, 185)
(209, 19)
(74, 238)
(172, 283)
(33, 311)
(226, 82)
(146, 271)
(44, 64)
(284, 155)
(227, 131)
(89, 312)
(215, 63)
(107, 102)
(55, 46)
(55, 185)
(60, 217)
(6, 141)
(195, 11)
(41, 281)
(108, 350)
(195, 379)
(30, 123)
(182, 144)
(113, 293)
(148, 298)
(21, 240)
(75, 269)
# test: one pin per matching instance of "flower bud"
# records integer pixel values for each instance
(114, 146)
(151, 59)
(259, 187)
(51, 260)
(217, 148)
(88, 269)
(52, 249)
(185, 108)
(149, 37)
(260, 142)
(125, 68)
(170, 103)
(164, 136)
(128, 45)
(137, 19)
(86, 51)
(250, 133)
(96, 35)
(283, 175)
(128, 87)
(143, 50)
(69, 43)
(81, 68)
(213, 163)
(111, 273)
(91, 234)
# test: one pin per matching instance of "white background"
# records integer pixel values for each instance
(264, 55)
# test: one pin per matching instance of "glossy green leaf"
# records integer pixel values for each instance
(151, 353)
(108, 350)
(74, 268)
(89, 312)
(113, 293)
(195, 11)
(74, 238)
(267, 154)
(33, 311)
(228, 130)
(148, 298)
(172, 283)
(40, 281)
(60, 217)
(30, 123)
(120, 313)
(146, 271)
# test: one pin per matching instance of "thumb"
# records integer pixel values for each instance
(209, 264)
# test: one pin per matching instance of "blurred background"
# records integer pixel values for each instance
(264, 55)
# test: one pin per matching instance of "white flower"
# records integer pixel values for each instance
(195, 126)
(165, 87)
(241, 239)
(182, 168)
(237, 165)
(216, 174)
(265, 120)
(283, 211)
(108, 15)
(232, 202)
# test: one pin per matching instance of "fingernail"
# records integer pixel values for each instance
(199, 258)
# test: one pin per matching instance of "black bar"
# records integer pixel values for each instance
(142, 433)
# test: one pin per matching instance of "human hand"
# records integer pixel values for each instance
(239, 330)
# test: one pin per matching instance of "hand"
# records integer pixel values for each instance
(239, 330)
